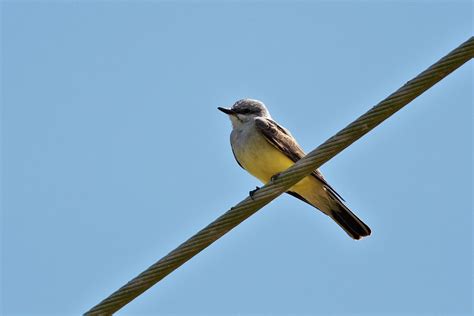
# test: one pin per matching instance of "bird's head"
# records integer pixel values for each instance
(245, 110)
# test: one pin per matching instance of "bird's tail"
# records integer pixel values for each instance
(348, 221)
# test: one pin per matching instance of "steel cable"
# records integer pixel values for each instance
(286, 179)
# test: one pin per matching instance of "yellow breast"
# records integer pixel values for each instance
(261, 159)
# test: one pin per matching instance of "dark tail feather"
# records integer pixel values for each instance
(342, 215)
(353, 226)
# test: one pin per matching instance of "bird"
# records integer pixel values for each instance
(264, 149)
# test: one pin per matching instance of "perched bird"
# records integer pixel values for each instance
(264, 148)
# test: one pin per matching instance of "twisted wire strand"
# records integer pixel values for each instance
(286, 179)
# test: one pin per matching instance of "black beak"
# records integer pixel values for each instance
(226, 111)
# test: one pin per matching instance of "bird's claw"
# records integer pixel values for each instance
(251, 193)
(274, 177)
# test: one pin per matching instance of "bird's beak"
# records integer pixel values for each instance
(226, 111)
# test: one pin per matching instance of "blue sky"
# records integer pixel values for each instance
(113, 153)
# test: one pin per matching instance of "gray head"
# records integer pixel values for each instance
(245, 110)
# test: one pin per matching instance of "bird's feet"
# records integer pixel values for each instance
(275, 176)
(251, 193)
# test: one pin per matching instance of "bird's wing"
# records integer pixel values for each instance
(282, 139)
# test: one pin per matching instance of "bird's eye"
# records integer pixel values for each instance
(246, 111)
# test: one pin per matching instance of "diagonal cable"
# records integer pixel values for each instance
(286, 179)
